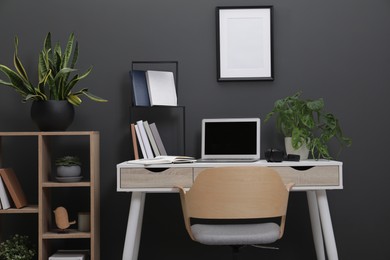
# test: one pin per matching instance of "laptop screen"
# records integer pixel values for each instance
(231, 138)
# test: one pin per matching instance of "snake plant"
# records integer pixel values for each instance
(55, 67)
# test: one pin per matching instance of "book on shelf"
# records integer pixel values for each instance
(152, 141)
(14, 188)
(141, 145)
(134, 140)
(5, 203)
(70, 255)
(140, 88)
(144, 139)
(166, 159)
(157, 138)
(161, 88)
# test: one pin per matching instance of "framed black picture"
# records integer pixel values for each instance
(244, 43)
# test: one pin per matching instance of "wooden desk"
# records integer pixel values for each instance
(313, 177)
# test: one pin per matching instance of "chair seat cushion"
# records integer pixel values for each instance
(236, 234)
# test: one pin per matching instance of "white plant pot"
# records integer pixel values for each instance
(68, 171)
(303, 151)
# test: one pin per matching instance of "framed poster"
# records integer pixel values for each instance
(244, 43)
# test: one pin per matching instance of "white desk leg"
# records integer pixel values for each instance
(316, 224)
(327, 228)
(134, 226)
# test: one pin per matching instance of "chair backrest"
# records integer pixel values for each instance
(236, 193)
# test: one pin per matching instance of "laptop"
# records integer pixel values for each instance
(230, 140)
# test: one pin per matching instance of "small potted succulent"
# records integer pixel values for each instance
(68, 166)
(17, 247)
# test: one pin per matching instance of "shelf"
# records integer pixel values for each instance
(71, 233)
(48, 143)
(47, 133)
(53, 184)
(31, 209)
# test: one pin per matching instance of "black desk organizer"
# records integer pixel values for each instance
(170, 120)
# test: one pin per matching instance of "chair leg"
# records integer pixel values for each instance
(236, 251)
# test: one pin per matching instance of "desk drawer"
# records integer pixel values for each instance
(310, 176)
(304, 176)
(155, 178)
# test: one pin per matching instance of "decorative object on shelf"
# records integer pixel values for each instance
(62, 219)
(54, 81)
(306, 122)
(70, 255)
(52, 115)
(84, 221)
(244, 43)
(17, 247)
(68, 169)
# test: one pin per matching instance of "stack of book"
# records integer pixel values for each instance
(70, 255)
(148, 138)
(153, 88)
(11, 192)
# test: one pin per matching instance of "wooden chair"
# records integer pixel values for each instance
(236, 193)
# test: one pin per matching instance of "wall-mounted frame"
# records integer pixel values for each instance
(244, 43)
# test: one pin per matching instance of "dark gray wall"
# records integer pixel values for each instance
(338, 50)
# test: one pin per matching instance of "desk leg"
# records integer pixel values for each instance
(134, 225)
(316, 224)
(327, 227)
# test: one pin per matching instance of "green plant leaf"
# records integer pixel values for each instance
(6, 83)
(75, 55)
(18, 64)
(57, 57)
(76, 79)
(74, 99)
(315, 105)
(68, 51)
(92, 96)
(17, 82)
(47, 43)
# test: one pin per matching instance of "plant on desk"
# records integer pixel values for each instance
(307, 124)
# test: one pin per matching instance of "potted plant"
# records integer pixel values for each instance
(305, 123)
(55, 87)
(68, 166)
(17, 247)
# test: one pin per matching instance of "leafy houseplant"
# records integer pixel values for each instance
(306, 122)
(16, 248)
(54, 69)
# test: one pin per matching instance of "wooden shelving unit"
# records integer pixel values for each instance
(46, 186)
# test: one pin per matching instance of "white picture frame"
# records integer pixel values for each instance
(244, 43)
